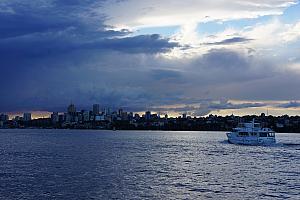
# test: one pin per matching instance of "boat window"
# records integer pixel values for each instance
(243, 133)
(262, 134)
(256, 125)
(253, 134)
(270, 134)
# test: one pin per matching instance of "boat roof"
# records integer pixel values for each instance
(249, 125)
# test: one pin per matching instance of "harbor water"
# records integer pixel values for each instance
(77, 164)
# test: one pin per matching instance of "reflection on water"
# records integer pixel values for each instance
(65, 164)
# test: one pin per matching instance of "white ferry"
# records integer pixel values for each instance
(251, 134)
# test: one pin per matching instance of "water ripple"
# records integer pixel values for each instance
(59, 164)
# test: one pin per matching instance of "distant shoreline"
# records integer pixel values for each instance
(120, 120)
(126, 130)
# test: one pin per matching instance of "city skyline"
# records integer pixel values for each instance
(228, 108)
(171, 112)
(194, 57)
(99, 118)
(149, 99)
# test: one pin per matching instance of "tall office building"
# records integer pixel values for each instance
(71, 109)
(96, 109)
(120, 112)
(107, 111)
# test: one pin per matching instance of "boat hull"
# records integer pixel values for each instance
(250, 140)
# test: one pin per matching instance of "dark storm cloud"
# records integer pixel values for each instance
(35, 30)
(53, 43)
(135, 81)
(56, 51)
(138, 44)
(28, 17)
(162, 74)
(230, 41)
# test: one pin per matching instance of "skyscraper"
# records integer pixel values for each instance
(96, 109)
(120, 112)
(71, 109)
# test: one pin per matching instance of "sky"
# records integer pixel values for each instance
(169, 56)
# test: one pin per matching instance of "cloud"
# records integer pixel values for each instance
(138, 44)
(162, 74)
(255, 38)
(135, 13)
(291, 104)
(141, 81)
(292, 32)
(54, 52)
(207, 107)
(49, 28)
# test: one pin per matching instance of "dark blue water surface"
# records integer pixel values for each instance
(75, 164)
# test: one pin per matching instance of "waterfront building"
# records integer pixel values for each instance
(154, 116)
(62, 118)
(99, 118)
(76, 119)
(137, 116)
(147, 115)
(71, 115)
(124, 116)
(86, 116)
(107, 111)
(4, 118)
(80, 116)
(68, 117)
(27, 117)
(120, 112)
(130, 116)
(54, 117)
(18, 118)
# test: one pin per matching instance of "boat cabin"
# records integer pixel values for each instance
(251, 134)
